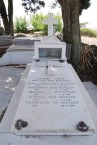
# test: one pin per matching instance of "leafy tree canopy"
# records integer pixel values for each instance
(34, 5)
(84, 4)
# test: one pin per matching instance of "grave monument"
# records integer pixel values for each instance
(22, 48)
(50, 100)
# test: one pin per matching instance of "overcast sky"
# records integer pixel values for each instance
(89, 15)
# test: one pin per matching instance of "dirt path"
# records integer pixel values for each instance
(89, 40)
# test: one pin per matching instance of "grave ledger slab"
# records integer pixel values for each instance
(51, 103)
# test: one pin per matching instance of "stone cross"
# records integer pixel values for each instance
(50, 22)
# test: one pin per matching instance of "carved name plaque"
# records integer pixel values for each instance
(52, 105)
(47, 91)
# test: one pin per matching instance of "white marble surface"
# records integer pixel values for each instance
(55, 96)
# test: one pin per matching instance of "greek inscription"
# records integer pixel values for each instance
(57, 91)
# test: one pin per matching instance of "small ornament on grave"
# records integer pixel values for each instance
(20, 124)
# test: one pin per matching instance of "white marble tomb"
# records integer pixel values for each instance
(51, 100)
(51, 96)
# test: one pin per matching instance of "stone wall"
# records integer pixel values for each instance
(6, 40)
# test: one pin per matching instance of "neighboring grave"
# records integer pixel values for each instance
(25, 40)
(51, 100)
(21, 52)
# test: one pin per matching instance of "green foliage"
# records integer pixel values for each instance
(84, 4)
(88, 32)
(37, 23)
(59, 26)
(20, 25)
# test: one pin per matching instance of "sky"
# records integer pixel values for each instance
(89, 15)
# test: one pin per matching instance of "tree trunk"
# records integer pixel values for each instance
(75, 32)
(66, 20)
(10, 15)
(71, 30)
(4, 16)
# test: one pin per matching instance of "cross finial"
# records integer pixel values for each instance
(50, 22)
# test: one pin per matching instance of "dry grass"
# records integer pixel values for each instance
(86, 57)
(88, 63)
